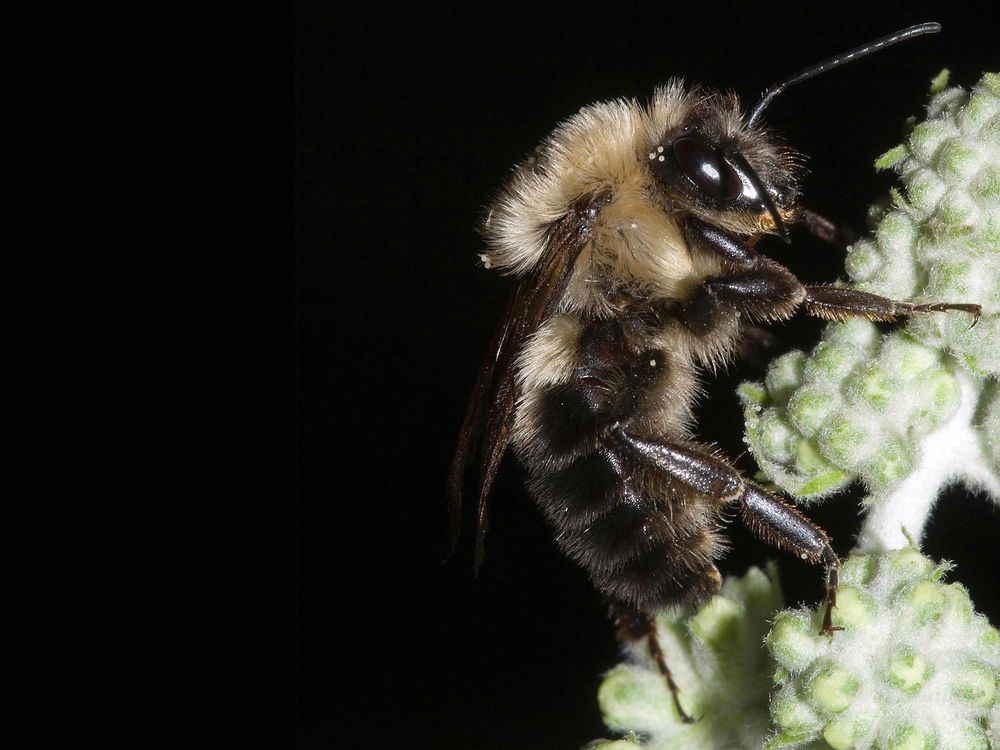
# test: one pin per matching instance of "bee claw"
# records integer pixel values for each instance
(685, 717)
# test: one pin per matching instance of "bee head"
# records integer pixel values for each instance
(728, 169)
(714, 165)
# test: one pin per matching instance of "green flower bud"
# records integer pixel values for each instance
(864, 260)
(843, 734)
(938, 396)
(891, 462)
(776, 438)
(809, 407)
(832, 689)
(858, 570)
(957, 161)
(832, 362)
(717, 625)
(908, 670)
(784, 375)
(986, 186)
(855, 608)
(844, 440)
(927, 137)
(905, 564)
(794, 715)
(632, 699)
(910, 737)
(878, 388)
(858, 333)
(926, 601)
(791, 640)
(908, 358)
(753, 393)
(895, 233)
(976, 684)
(957, 211)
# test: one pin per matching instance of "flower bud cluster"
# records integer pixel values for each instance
(914, 668)
(855, 408)
(860, 404)
(939, 240)
(717, 658)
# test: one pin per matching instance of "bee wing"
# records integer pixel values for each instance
(471, 438)
(490, 414)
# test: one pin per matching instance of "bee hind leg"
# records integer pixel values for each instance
(784, 526)
(635, 625)
(771, 519)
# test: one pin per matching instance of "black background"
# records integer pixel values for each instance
(408, 119)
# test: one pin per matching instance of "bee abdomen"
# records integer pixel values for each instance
(644, 538)
(639, 542)
(572, 417)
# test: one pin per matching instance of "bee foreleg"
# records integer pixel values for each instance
(839, 303)
(635, 625)
(768, 517)
(823, 228)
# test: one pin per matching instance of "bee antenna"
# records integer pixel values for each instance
(838, 60)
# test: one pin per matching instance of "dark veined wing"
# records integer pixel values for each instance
(490, 414)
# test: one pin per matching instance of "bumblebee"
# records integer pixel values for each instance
(632, 232)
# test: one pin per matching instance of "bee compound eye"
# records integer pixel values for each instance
(707, 168)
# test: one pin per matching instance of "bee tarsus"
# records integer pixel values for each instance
(636, 626)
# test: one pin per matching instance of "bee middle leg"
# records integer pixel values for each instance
(768, 517)
(756, 345)
(768, 291)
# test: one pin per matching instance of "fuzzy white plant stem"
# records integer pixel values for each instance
(952, 453)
